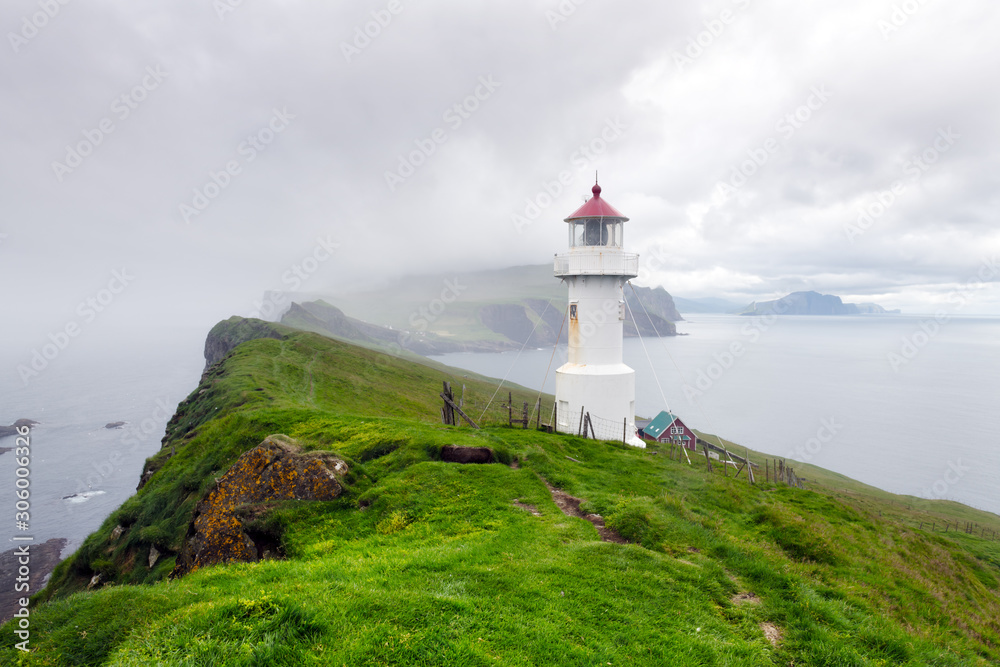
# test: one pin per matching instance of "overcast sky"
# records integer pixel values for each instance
(204, 149)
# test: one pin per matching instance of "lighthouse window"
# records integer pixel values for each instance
(597, 232)
(577, 232)
(612, 234)
(572, 311)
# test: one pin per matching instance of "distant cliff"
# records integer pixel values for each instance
(485, 327)
(227, 334)
(813, 303)
(478, 311)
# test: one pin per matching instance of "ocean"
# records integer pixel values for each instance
(907, 404)
(81, 471)
(826, 390)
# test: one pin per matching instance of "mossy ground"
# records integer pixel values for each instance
(428, 563)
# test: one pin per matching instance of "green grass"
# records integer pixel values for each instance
(427, 563)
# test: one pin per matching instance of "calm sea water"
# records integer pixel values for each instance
(80, 470)
(821, 389)
(876, 398)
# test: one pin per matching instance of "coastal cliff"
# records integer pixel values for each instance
(307, 506)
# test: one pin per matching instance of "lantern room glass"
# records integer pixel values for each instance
(597, 232)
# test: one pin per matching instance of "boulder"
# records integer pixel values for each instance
(277, 469)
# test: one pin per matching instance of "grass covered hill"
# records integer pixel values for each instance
(565, 551)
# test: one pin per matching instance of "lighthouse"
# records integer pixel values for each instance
(594, 380)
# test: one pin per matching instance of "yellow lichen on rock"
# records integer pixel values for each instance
(274, 470)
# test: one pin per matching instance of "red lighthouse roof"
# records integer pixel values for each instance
(596, 208)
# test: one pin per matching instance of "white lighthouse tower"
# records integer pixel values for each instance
(594, 379)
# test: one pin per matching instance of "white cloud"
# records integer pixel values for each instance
(688, 128)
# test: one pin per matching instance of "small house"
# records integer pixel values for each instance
(668, 427)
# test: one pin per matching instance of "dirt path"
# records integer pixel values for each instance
(570, 506)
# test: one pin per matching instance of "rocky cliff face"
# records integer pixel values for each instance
(653, 309)
(227, 334)
(657, 301)
(276, 469)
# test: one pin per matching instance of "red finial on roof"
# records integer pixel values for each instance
(596, 208)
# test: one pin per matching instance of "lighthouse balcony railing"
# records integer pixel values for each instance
(597, 263)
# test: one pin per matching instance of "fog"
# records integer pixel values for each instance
(173, 161)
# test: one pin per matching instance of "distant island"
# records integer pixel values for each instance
(813, 303)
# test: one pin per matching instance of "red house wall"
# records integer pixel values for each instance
(692, 443)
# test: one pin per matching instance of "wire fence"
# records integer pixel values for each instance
(483, 409)
(493, 410)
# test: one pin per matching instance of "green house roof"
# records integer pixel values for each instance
(660, 423)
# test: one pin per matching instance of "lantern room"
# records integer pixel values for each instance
(596, 224)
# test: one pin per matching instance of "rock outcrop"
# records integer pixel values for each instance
(657, 302)
(226, 335)
(275, 470)
(6, 431)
